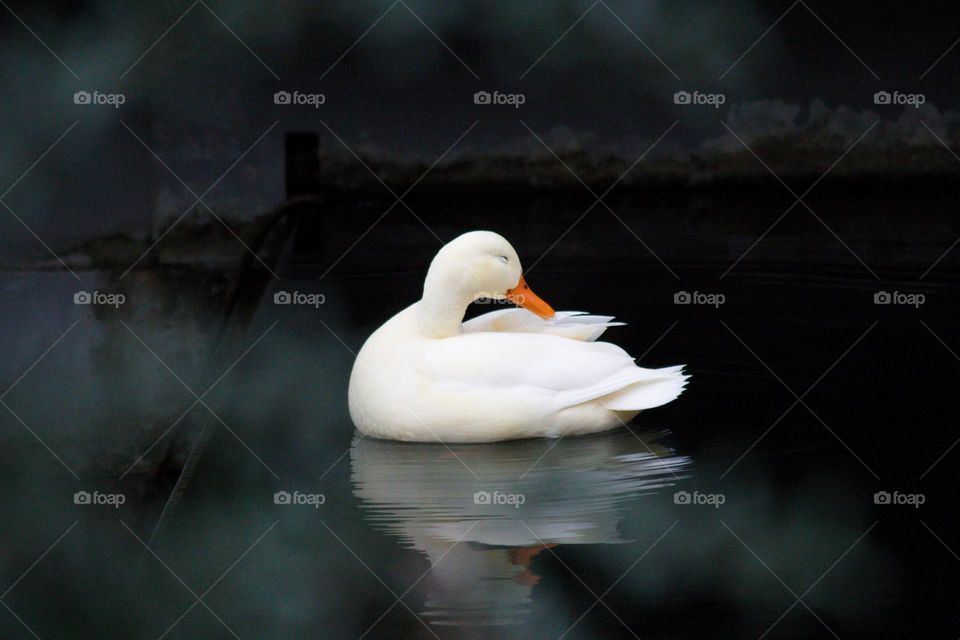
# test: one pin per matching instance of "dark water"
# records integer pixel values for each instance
(782, 535)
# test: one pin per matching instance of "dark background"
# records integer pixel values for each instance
(198, 97)
(97, 198)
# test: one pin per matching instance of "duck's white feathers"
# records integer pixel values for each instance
(480, 386)
(576, 325)
(535, 355)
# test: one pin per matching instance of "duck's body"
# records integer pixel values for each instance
(427, 376)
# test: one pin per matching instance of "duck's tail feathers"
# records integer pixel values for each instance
(648, 394)
(631, 389)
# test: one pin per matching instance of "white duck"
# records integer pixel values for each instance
(427, 376)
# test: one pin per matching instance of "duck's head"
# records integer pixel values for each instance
(479, 264)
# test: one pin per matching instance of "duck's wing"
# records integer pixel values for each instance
(562, 372)
(576, 325)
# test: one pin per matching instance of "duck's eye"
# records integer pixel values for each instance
(503, 259)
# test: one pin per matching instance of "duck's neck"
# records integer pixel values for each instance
(440, 312)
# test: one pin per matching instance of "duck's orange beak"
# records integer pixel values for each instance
(522, 296)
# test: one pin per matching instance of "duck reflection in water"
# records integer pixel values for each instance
(482, 512)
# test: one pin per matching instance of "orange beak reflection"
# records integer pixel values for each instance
(522, 296)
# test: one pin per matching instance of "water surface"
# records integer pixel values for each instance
(708, 517)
